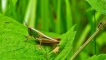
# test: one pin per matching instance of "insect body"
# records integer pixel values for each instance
(41, 37)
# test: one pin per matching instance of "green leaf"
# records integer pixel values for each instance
(13, 45)
(66, 36)
(12, 42)
(99, 5)
(98, 57)
(66, 44)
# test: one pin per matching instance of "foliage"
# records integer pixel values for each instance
(55, 18)
(99, 5)
(13, 45)
(98, 57)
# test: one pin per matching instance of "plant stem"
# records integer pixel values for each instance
(96, 32)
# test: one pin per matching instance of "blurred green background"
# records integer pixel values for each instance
(59, 16)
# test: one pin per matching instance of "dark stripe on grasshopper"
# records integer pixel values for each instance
(42, 35)
(44, 40)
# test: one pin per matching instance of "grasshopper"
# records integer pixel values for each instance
(42, 38)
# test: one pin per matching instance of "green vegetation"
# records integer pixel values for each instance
(71, 20)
